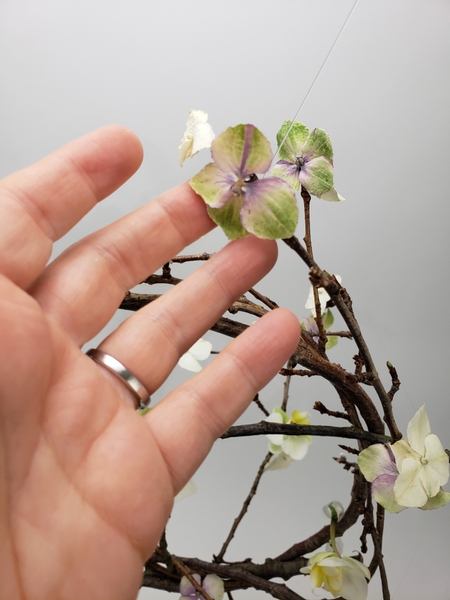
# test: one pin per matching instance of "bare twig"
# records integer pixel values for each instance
(190, 257)
(260, 405)
(243, 511)
(264, 299)
(323, 410)
(395, 380)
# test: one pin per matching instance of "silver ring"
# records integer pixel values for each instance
(119, 370)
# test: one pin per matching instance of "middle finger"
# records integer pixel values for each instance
(83, 287)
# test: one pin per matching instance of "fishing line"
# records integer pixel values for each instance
(317, 76)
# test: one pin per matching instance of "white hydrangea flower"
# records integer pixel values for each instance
(342, 576)
(199, 351)
(286, 448)
(421, 461)
(212, 584)
(198, 135)
(323, 298)
(188, 490)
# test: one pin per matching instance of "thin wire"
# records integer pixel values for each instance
(317, 76)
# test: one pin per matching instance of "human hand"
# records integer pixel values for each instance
(86, 483)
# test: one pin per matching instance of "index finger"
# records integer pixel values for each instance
(41, 203)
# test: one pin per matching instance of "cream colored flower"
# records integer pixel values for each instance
(421, 461)
(199, 351)
(198, 135)
(343, 576)
(286, 448)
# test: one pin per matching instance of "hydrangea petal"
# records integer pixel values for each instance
(317, 176)
(229, 218)
(279, 460)
(318, 144)
(269, 210)
(418, 429)
(296, 446)
(376, 460)
(408, 488)
(383, 493)
(332, 196)
(201, 349)
(189, 362)
(213, 185)
(242, 150)
(402, 451)
(437, 458)
(430, 480)
(275, 448)
(198, 135)
(186, 587)
(188, 490)
(354, 583)
(288, 172)
(213, 585)
(293, 145)
(441, 499)
(203, 137)
(332, 340)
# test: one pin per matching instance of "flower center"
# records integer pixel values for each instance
(423, 461)
(250, 178)
(299, 162)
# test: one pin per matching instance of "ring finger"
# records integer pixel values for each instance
(151, 341)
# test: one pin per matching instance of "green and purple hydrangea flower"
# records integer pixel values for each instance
(306, 160)
(237, 200)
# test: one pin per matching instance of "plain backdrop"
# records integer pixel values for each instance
(383, 95)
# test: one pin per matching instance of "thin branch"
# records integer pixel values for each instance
(323, 410)
(287, 384)
(243, 511)
(264, 299)
(247, 306)
(395, 380)
(190, 257)
(260, 405)
(299, 372)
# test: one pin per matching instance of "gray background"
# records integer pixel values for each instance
(68, 67)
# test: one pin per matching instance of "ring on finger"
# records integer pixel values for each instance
(133, 384)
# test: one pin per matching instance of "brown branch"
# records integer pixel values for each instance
(264, 299)
(266, 428)
(190, 257)
(395, 380)
(247, 306)
(299, 372)
(340, 299)
(323, 410)
(260, 405)
(244, 509)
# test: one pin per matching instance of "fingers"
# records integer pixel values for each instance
(188, 421)
(151, 341)
(83, 287)
(44, 201)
